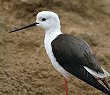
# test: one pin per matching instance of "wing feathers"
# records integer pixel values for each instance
(74, 52)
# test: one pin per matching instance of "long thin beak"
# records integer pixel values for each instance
(31, 25)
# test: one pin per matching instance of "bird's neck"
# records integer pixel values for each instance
(51, 34)
(49, 37)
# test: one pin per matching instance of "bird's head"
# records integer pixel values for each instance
(45, 19)
(48, 20)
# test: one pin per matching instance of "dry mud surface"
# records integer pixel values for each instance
(24, 66)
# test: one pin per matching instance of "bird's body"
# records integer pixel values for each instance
(70, 55)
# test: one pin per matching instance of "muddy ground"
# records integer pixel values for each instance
(24, 66)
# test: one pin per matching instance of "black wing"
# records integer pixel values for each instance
(72, 54)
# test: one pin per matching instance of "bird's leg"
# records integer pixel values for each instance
(66, 86)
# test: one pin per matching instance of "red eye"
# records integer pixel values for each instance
(43, 19)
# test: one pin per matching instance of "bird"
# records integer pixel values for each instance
(69, 54)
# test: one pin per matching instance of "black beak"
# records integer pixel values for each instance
(31, 25)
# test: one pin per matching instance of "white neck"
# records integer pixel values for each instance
(49, 37)
(52, 33)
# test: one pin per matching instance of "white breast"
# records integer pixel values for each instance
(49, 37)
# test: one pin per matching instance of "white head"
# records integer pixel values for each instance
(48, 20)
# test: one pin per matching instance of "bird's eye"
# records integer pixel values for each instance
(43, 19)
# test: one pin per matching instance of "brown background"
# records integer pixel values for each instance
(24, 66)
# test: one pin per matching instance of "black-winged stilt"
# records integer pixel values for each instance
(69, 54)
